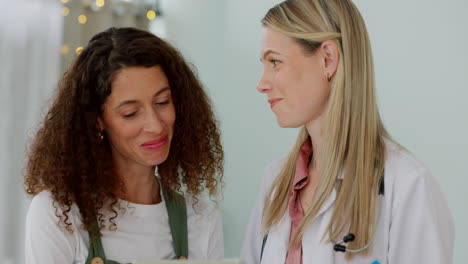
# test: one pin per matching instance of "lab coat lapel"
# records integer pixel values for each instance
(313, 248)
(316, 250)
(276, 246)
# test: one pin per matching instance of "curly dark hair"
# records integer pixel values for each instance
(67, 156)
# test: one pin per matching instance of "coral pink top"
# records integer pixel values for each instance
(301, 179)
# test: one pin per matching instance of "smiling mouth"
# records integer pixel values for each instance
(274, 101)
(155, 144)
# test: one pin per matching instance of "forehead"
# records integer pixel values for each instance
(277, 42)
(136, 84)
(134, 80)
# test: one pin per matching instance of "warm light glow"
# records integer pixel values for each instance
(64, 1)
(82, 19)
(79, 50)
(64, 49)
(151, 15)
(65, 11)
(100, 3)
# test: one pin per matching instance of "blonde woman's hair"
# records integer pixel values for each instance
(353, 132)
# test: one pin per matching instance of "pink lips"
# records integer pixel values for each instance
(274, 101)
(155, 144)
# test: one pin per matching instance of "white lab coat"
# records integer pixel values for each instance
(415, 225)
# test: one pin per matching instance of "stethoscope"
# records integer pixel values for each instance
(339, 247)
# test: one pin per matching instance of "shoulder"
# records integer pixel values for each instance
(402, 168)
(43, 206)
(201, 212)
(410, 183)
(44, 210)
(416, 207)
(46, 238)
(205, 228)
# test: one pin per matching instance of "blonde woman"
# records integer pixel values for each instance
(346, 193)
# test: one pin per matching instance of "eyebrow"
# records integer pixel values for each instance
(126, 102)
(267, 53)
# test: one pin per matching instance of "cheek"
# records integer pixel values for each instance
(169, 117)
(315, 99)
(120, 130)
(285, 83)
(294, 87)
(307, 96)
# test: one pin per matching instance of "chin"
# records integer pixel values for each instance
(155, 162)
(288, 123)
(157, 159)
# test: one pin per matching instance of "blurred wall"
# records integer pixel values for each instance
(30, 35)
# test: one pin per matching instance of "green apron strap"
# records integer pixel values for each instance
(177, 213)
(96, 253)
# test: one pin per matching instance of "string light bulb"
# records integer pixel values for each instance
(65, 11)
(151, 15)
(64, 49)
(82, 19)
(78, 50)
(100, 3)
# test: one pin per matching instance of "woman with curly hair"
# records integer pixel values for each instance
(128, 108)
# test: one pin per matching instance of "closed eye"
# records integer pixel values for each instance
(128, 116)
(163, 103)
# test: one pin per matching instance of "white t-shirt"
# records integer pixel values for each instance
(143, 233)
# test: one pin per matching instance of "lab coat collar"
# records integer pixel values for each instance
(278, 238)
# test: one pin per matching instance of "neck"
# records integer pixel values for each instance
(314, 128)
(140, 184)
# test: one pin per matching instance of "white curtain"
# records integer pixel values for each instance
(30, 38)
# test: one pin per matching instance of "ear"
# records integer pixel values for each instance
(331, 57)
(100, 124)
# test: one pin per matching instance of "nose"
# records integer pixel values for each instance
(153, 123)
(264, 86)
